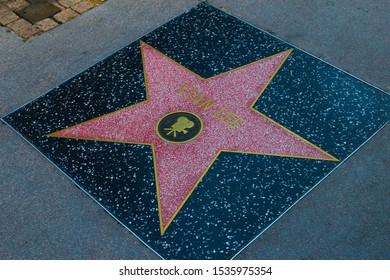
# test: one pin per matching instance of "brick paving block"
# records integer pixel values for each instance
(23, 28)
(6, 15)
(68, 3)
(4, 2)
(16, 4)
(8, 18)
(58, 5)
(96, 2)
(46, 24)
(3, 7)
(65, 15)
(82, 6)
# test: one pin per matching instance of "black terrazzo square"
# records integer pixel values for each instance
(201, 134)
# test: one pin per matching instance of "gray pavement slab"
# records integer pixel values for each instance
(45, 216)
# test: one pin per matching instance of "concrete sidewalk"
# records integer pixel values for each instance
(44, 216)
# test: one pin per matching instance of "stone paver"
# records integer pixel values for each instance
(7, 15)
(58, 5)
(46, 24)
(97, 2)
(23, 28)
(82, 6)
(3, 7)
(69, 10)
(16, 4)
(68, 3)
(65, 15)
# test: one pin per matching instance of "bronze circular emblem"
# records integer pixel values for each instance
(179, 127)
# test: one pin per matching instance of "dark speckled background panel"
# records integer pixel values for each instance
(241, 195)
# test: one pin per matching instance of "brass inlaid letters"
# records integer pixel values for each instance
(231, 119)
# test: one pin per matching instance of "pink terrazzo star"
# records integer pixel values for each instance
(223, 103)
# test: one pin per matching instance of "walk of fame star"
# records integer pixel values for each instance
(188, 121)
